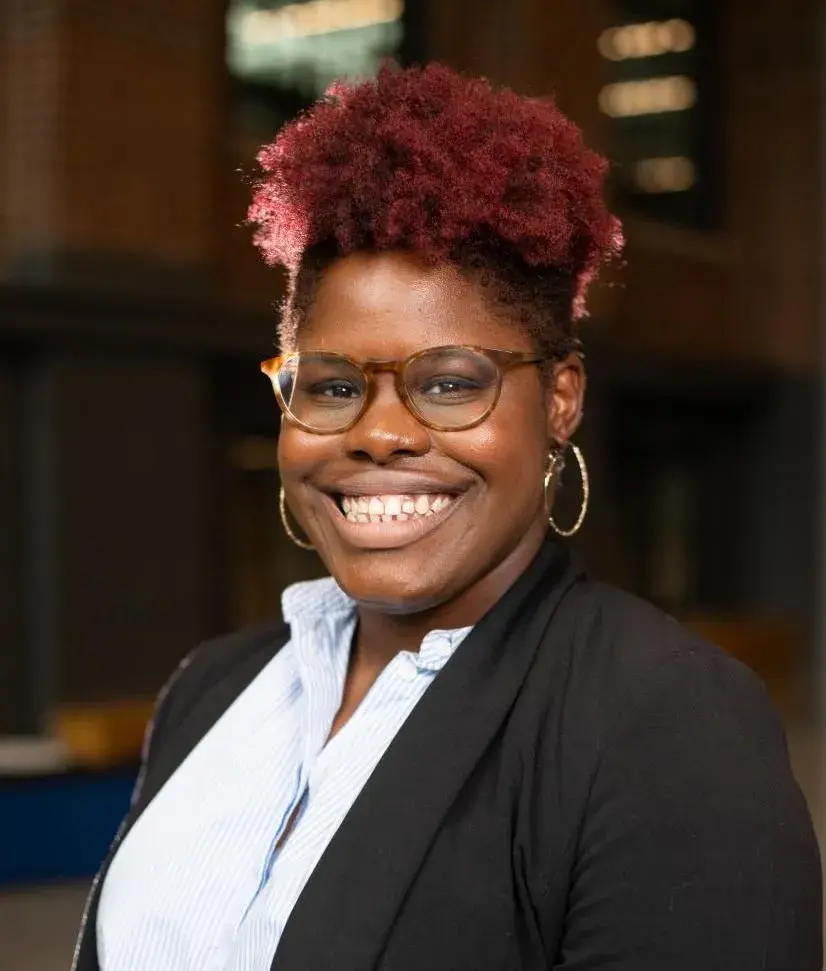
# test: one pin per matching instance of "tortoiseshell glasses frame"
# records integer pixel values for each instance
(503, 361)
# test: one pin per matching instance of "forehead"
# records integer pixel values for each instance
(393, 304)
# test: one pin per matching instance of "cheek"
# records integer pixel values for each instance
(299, 453)
(509, 459)
(514, 438)
(508, 451)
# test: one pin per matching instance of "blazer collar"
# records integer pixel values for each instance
(361, 880)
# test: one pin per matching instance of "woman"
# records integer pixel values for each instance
(459, 752)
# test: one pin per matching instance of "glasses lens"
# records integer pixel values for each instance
(452, 387)
(322, 391)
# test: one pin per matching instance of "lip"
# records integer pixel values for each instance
(389, 536)
(378, 483)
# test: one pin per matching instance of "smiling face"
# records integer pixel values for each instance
(452, 517)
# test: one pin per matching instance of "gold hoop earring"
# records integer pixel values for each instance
(557, 461)
(282, 506)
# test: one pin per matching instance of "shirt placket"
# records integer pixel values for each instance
(322, 681)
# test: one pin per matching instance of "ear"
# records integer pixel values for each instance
(565, 396)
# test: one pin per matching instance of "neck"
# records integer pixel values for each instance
(382, 634)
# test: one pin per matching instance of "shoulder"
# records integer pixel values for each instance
(633, 630)
(237, 655)
(634, 647)
(631, 673)
(219, 656)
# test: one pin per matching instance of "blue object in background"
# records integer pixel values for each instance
(59, 827)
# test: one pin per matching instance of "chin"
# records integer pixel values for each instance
(392, 584)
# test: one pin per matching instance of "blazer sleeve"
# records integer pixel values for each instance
(697, 851)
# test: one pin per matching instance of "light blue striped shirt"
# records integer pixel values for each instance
(198, 884)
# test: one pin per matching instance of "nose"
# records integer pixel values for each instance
(387, 429)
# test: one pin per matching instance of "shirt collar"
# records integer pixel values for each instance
(438, 647)
(312, 600)
(311, 603)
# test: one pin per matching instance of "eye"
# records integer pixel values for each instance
(449, 385)
(334, 388)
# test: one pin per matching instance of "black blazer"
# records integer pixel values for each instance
(585, 786)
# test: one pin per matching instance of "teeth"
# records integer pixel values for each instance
(386, 509)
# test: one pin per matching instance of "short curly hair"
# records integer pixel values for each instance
(425, 160)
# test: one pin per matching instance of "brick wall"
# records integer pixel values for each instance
(114, 118)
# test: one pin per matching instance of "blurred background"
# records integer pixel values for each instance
(138, 493)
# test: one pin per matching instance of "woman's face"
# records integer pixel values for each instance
(493, 516)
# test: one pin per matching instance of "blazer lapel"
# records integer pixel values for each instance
(345, 913)
(186, 735)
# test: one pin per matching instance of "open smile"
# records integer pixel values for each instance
(389, 521)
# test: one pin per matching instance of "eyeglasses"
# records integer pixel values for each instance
(446, 388)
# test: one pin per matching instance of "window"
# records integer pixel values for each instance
(283, 54)
(661, 100)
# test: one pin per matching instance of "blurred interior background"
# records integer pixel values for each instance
(138, 490)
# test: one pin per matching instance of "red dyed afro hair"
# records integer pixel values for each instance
(424, 159)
